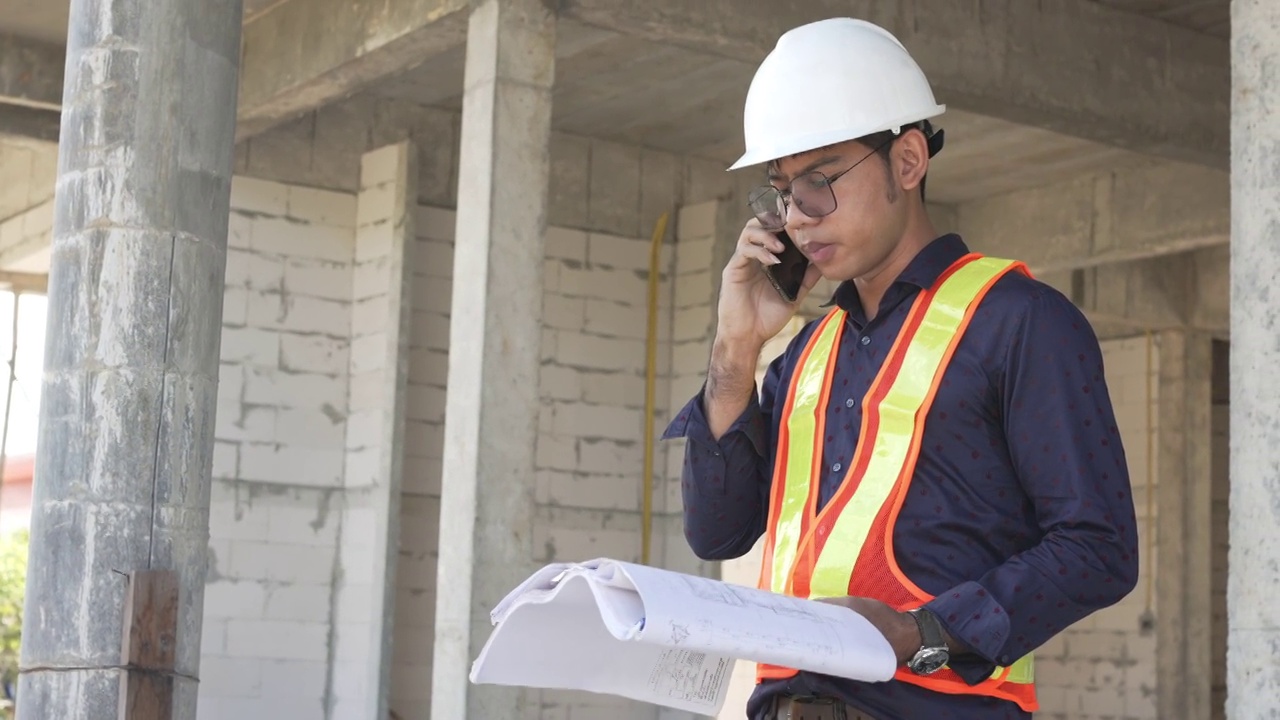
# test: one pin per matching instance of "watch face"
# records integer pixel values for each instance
(929, 661)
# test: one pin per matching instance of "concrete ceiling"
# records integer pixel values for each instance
(632, 91)
(47, 19)
(628, 90)
(1212, 17)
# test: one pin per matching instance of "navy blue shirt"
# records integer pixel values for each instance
(1018, 519)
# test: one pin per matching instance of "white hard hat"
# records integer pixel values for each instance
(828, 82)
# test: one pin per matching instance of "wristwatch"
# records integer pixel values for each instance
(933, 653)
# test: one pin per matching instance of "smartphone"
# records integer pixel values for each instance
(788, 275)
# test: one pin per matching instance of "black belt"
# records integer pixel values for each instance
(811, 708)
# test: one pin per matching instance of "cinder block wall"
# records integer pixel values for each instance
(604, 201)
(26, 234)
(278, 460)
(27, 174)
(589, 461)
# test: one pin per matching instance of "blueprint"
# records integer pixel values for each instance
(664, 637)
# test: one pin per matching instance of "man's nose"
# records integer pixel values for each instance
(795, 217)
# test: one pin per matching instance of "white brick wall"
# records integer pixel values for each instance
(278, 459)
(26, 237)
(589, 446)
(27, 175)
(415, 601)
(299, 362)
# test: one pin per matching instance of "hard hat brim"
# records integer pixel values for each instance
(801, 144)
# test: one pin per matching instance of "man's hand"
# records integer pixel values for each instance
(750, 312)
(898, 628)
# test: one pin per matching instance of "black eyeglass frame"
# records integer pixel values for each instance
(782, 203)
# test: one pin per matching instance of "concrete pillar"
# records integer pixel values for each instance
(1183, 525)
(1253, 638)
(131, 360)
(491, 413)
(368, 542)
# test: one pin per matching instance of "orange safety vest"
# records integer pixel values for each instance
(847, 549)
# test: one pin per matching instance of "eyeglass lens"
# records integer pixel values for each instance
(810, 192)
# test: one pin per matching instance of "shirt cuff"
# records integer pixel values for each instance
(973, 617)
(704, 451)
(691, 423)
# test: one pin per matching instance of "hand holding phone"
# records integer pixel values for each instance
(760, 289)
(787, 276)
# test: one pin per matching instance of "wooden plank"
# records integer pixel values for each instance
(149, 648)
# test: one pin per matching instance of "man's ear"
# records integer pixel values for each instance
(911, 159)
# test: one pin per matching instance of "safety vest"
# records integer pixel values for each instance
(847, 549)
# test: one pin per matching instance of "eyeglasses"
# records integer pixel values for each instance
(811, 192)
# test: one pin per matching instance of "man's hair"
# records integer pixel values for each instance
(883, 144)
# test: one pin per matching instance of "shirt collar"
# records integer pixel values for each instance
(923, 270)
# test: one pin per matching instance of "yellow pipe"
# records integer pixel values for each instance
(651, 369)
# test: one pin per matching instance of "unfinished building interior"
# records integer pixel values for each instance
(434, 346)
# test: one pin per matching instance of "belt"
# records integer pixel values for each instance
(813, 708)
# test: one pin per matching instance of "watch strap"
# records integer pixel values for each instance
(931, 635)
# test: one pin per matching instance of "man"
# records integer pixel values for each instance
(938, 453)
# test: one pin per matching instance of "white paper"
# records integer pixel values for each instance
(663, 637)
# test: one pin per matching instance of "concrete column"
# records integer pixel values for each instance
(1253, 586)
(368, 540)
(1183, 525)
(131, 360)
(491, 413)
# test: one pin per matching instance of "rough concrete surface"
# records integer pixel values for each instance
(1253, 640)
(131, 362)
(487, 503)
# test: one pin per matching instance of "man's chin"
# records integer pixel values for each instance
(836, 271)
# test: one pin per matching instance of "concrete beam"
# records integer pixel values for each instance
(1130, 214)
(31, 72)
(1188, 291)
(303, 54)
(24, 282)
(1078, 68)
(28, 123)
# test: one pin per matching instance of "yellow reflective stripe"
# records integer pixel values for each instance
(801, 449)
(921, 363)
(1022, 672)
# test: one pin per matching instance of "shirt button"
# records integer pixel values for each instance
(836, 467)
(848, 403)
(866, 339)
